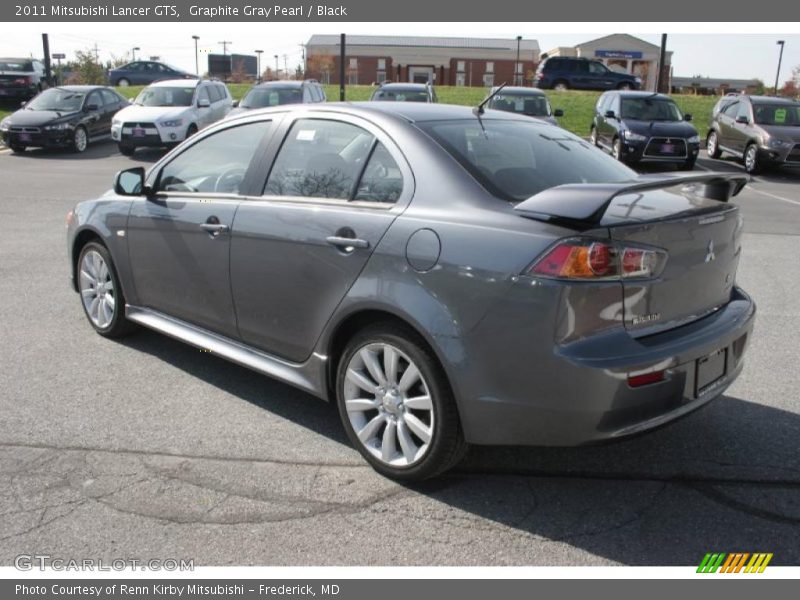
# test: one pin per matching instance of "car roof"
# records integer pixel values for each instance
(770, 99)
(17, 59)
(81, 88)
(179, 82)
(643, 94)
(520, 90)
(283, 83)
(405, 86)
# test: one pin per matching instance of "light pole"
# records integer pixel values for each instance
(196, 58)
(516, 64)
(780, 58)
(133, 52)
(277, 71)
(258, 55)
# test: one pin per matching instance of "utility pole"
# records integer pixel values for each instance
(48, 72)
(303, 55)
(258, 55)
(342, 54)
(196, 58)
(660, 83)
(516, 64)
(96, 54)
(285, 67)
(277, 69)
(778, 74)
(225, 45)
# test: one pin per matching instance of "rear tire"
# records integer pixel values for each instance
(101, 294)
(404, 419)
(712, 145)
(625, 85)
(123, 82)
(561, 86)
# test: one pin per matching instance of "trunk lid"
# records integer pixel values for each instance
(688, 217)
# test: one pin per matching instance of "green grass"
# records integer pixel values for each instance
(578, 106)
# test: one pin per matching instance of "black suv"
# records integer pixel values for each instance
(405, 92)
(562, 73)
(761, 131)
(21, 78)
(644, 127)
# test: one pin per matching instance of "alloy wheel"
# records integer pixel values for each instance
(750, 158)
(389, 405)
(97, 289)
(711, 144)
(80, 139)
(617, 149)
(593, 136)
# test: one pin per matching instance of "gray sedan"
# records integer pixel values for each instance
(446, 275)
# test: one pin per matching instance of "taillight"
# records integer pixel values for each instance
(583, 258)
(646, 378)
(22, 80)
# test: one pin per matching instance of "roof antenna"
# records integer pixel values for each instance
(478, 110)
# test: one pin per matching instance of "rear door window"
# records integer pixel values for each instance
(320, 158)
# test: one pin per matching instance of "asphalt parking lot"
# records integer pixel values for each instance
(148, 448)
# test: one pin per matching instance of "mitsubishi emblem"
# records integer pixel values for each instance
(710, 254)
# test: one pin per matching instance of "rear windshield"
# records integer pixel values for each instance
(515, 160)
(401, 95)
(524, 104)
(20, 66)
(165, 96)
(57, 99)
(650, 109)
(777, 114)
(271, 96)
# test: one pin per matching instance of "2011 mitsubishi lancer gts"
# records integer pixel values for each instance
(446, 275)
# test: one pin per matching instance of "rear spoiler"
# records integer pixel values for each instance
(584, 204)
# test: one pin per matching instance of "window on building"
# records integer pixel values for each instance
(490, 67)
(353, 63)
(488, 79)
(381, 76)
(352, 78)
(381, 64)
(461, 79)
(518, 68)
(461, 66)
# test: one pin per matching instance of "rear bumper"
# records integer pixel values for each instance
(18, 92)
(580, 394)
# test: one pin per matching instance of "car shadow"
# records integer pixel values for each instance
(724, 478)
(95, 151)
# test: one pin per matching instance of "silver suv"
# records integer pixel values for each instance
(760, 130)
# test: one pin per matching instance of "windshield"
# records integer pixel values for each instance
(272, 96)
(515, 160)
(16, 66)
(165, 96)
(650, 109)
(787, 115)
(524, 104)
(57, 99)
(401, 95)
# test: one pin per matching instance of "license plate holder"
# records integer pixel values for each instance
(25, 137)
(668, 148)
(138, 132)
(710, 369)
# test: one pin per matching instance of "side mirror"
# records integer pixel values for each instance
(91, 107)
(203, 103)
(558, 113)
(610, 114)
(235, 104)
(130, 182)
(742, 119)
(687, 117)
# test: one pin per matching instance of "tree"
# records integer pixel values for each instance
(320, 66)
(760, 87)
(85, 70)
(239, 73)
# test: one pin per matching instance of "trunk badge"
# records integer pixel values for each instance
(710, 254)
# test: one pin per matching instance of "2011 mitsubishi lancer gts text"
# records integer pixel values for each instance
(446, 275)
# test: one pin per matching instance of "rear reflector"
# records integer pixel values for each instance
(645, 378)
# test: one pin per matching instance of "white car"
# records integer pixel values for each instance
(167, 112)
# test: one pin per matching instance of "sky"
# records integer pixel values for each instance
(737, 50)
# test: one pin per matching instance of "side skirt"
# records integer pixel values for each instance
(309, 376)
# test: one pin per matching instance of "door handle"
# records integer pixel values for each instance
(215, 229)
(346, 242)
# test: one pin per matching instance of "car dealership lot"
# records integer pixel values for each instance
(153, 449)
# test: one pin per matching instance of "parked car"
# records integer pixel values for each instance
(445, 276)
(145, 72)
(641, 127)
(404, 92)
(167, 112)
(69, 116)
(21, 78)
(277, 93)
(524, 101)
(563, 73)
(761, 131)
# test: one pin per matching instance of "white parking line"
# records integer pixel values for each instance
(763, 193)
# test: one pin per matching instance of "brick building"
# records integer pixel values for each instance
(438, 60)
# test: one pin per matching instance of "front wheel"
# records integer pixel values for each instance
(126, 150)
(752, 164)
(101, 294)
(17, 149)
(561, 86)
(396, 404)
(712, 145)
(688, 165)
(123, 82)
(80, 139)
(625, 85)
(616, 150)
(593, 136)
